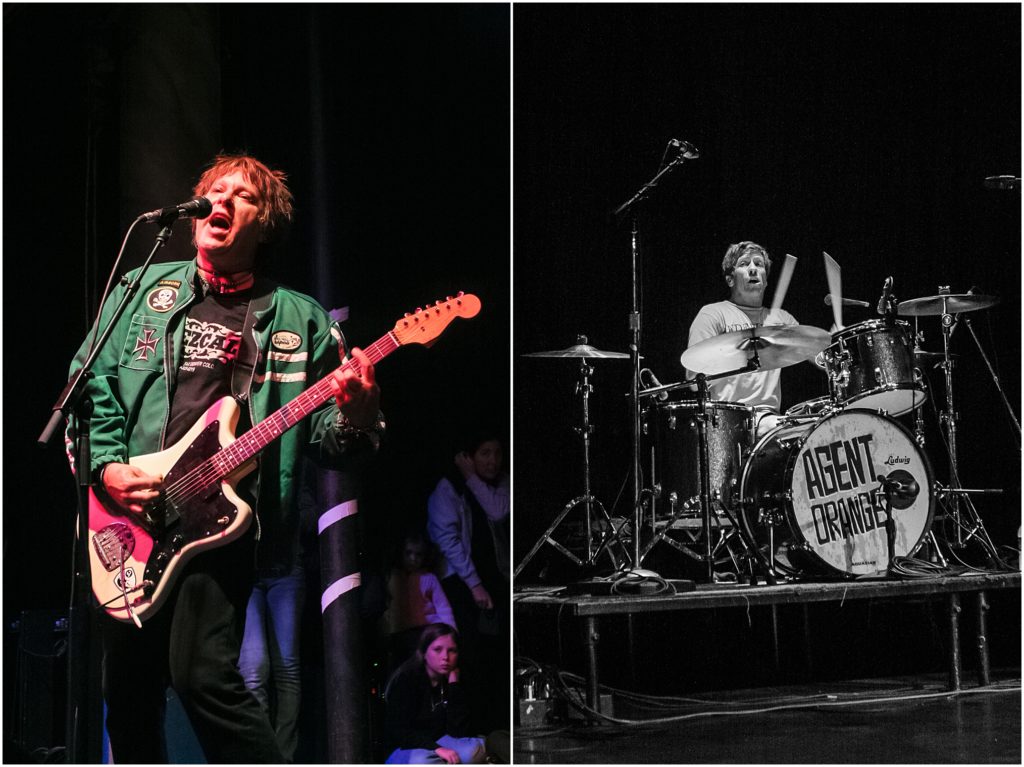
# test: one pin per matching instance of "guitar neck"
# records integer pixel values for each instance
(250, 444)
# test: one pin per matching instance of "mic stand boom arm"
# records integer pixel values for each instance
(995, 379)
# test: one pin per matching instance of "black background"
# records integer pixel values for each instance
(862, 130)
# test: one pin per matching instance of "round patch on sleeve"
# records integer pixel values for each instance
(286, 341)
(162, 299)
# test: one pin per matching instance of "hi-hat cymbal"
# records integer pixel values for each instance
(777, 347)
(582, 351)
(952, 303)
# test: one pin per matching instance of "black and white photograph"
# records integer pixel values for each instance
(767, 383)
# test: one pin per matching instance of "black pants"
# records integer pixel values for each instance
(191, 643)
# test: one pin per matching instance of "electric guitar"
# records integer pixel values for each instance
(135, 558)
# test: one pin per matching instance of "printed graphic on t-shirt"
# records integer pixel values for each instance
(209, 344)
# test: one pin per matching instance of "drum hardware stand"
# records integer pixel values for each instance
(609, 535)
(947, 418)
(918, 411)
(995, 379)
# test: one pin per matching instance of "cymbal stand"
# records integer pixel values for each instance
(589, 503)
(947, 418)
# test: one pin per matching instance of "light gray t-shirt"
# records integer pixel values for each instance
(761, 388)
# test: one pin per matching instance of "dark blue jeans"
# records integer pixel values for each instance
(191, 643)
(269, 659)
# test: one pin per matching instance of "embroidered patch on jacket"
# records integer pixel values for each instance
(162, 299)
(170, 284)
(286, 341)
(145, 343)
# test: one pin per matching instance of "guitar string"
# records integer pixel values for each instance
(206, 473)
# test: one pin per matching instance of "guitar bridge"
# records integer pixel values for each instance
(113, 544)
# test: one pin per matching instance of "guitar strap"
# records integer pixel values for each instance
(248, 354)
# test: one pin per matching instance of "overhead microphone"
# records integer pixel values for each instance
(197, 207)
(846, 301)
(662, 395)
(885, 302)
(686, 149)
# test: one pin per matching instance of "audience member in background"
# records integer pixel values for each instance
(416, 598)
(468, 518)
(428, 718)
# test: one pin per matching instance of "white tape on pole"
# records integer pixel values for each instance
(336, 514)
(336, 589)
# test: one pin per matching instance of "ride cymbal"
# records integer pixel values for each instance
(951, 303)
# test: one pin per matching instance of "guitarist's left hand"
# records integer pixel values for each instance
(357, 392)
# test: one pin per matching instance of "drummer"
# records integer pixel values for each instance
(746, 267)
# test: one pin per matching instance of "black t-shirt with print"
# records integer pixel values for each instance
(213, 335)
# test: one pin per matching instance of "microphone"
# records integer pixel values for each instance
(663, 395)
(846, 301)
(900, 488)
(686, 149)
(1002, 182)
(885, 302)
(197, 207)
(956, 317)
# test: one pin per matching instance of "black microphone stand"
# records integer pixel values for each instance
(83, 722)
(634, 350)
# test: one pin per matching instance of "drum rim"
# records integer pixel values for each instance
(717, 404)
(881, 390)
(788, 477)
(849, 330)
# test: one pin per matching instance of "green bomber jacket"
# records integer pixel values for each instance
(296, 345)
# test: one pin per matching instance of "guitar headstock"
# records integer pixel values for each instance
(424, 325)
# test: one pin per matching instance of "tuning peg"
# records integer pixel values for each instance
(447, 298)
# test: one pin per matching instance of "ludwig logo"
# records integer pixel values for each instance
(896, 460)
(286, 341)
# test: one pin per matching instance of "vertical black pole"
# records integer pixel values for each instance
(345, 692)
(83, 722)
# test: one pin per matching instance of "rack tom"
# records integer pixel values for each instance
(870, 365)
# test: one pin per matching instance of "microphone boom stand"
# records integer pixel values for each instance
(634, 354)
(83, 744)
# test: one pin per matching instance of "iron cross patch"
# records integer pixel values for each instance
(145, 343)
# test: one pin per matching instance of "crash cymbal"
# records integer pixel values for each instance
(953, 303)
(777, 347)
(931, 355)
(582, 351)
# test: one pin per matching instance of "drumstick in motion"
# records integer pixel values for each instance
(834, 275)
(785, 274)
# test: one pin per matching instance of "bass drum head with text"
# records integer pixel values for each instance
(811, 493)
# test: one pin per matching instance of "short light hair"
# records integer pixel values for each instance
(275, 199)
(740, 249)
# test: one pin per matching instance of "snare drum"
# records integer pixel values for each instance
(810, 495)
(870, 365)
(673, 454)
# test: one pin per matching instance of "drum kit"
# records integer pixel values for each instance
(833, 487)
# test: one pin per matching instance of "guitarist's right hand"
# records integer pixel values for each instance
(130, 487)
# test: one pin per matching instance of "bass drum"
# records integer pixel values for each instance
(812, 501)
